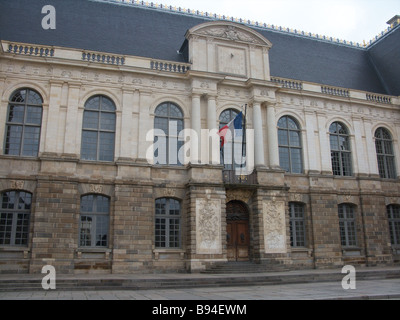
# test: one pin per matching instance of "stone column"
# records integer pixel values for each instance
(126, 150)
(212, 125)
(313, 165)
(196, 127)
(51, 133)
(324, 144)
(273, 147)
(371, 148)
(72, 130)
(360, 154)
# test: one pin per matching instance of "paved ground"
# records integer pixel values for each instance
(376, 289)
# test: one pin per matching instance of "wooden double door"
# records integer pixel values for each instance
(237, 232)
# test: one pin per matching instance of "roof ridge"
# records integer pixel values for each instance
(249, 23)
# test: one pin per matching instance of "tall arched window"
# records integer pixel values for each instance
(98, 133)
(168, 223)
(393, 212)
(233, 153)
(15, 212)
(168, 123)
(385, 153)
(340, 150)
(290, 146)
(24, 121)
(94, 221)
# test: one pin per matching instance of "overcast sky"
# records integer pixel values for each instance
(353, 20)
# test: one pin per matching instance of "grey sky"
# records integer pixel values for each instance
(353, 20)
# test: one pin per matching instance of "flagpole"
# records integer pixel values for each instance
(243, 139)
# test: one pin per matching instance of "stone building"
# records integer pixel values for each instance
(87, 185)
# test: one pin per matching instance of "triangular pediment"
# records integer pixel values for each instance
(229, 31)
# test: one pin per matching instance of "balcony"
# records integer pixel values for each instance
(231, 178)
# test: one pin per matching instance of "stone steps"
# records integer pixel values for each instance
(245, 268)
(111, 282)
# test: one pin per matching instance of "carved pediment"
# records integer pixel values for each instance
(229, 31)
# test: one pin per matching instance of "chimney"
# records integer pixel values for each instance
(394, 22)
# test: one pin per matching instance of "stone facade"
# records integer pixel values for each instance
(229, 68)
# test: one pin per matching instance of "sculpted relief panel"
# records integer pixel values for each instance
(274, 227)
(208, 226)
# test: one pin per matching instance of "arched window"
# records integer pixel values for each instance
(233, 153)
(297, 225)
(168, 223)
(385, 153)
(393, 212)
(94, 221)
(168, 123)
(98, 133)
(340, 150)
(347, 225)
(24, 121)
(290, 146)
(15, 212)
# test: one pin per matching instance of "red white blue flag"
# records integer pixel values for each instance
(232, 129)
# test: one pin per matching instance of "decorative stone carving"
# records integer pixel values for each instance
(241, 195)
(17, 184)
(96, 188)
(274, 227)
(230, 33)
(208, 227)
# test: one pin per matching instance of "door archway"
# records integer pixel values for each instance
(237, 231)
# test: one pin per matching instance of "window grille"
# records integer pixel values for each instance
(94, 221)
(168, 224)
(15, 212)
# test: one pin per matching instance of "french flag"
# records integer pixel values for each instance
(226, 133)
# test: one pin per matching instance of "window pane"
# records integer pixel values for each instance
(284, 158)
(334, 142)
(283, 138)
(19, 97)
(16, 114)
(107, 121)
(297, 166)
(91, 120)
(6, 220)
(34, 98)
(89, 145)
(31, 141)
(13, 140)
(295, 139)
(106, 146)
(162, 111)
(93, 103)
(87, 204)
(107, 105)
(101, 231)
(34, 116)
(85, 234)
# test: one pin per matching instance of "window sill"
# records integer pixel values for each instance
(93, 253)
(351, 252)
(16, 250)
(164, 254)
(302, 252)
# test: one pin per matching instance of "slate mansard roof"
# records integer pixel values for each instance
(159, 34)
